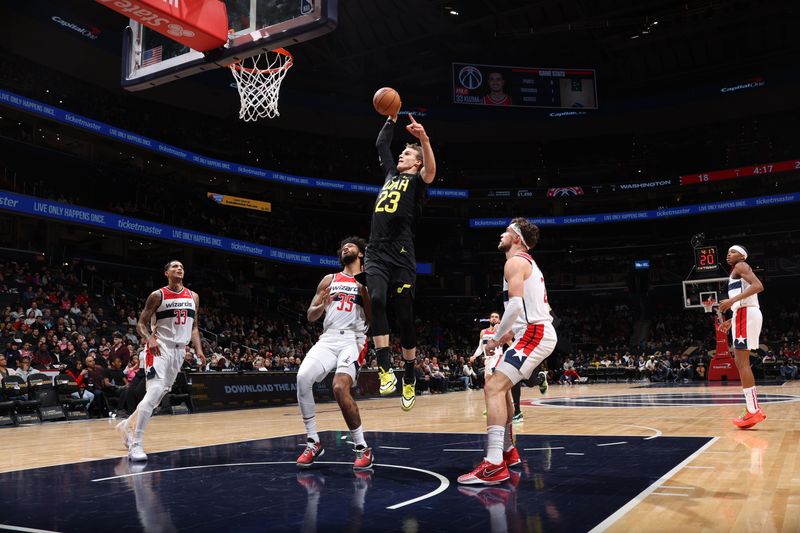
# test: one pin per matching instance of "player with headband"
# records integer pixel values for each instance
(743, 286)
(526, 320)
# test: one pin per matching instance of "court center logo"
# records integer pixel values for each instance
(178, 31)
(470, 77)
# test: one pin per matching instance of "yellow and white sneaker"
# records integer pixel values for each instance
(409, 397)
(388, 381)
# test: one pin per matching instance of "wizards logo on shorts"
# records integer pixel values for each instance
(514, 357)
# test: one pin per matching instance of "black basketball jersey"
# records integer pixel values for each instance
(400, 201)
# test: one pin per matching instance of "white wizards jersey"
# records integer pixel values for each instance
(535, 309)
(346, 310)
(737, 286)
(174, 318)
(486, 335)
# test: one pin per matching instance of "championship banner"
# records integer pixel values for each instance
(236, 201)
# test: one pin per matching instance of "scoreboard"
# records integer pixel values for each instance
(504, 86)
(705, 259)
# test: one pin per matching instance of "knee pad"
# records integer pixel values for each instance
(404, 312)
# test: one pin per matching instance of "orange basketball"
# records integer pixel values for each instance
(386, 101)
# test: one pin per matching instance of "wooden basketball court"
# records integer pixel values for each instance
(742, 480)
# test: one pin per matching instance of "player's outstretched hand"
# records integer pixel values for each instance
(416, 129)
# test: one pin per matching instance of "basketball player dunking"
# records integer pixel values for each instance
(167, 324)
(743, 286)
(390, 262)
(528, 321)
(342, 346)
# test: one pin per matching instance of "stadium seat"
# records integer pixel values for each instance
(7, 417)
(74, 408)
(26, 410)
(40, 388)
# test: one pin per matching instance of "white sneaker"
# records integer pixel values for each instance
(122, 429)
(136, 453)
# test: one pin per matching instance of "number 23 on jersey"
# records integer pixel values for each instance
(387, 201)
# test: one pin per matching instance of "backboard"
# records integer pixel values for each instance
(150, 58)
(697, 290)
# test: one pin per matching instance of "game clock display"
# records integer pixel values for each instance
(705, 259)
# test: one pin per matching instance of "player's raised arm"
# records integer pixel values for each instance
(384, 146)
(428, 171)
(321, 299)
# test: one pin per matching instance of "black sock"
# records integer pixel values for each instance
(516, 392)
(409, 375)
(384, 358)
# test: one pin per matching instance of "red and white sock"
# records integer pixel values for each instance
(751, 397)
(494, 447)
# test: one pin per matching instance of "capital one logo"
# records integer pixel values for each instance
(178, 31)
(470, 77)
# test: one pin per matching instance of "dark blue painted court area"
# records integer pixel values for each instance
(565, 484)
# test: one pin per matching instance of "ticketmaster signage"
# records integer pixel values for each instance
(654, 214)
(64, 117)
(36, 207)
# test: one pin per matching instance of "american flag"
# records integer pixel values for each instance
(152, 56)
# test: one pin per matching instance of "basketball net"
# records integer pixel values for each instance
(258, 80)
(708, 305)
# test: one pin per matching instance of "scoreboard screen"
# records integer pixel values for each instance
(705, 259)
(503, 86)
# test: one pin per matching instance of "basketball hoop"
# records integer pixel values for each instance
(258, 79)
(708, 305)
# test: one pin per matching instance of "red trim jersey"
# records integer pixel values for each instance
(486, 335)
(174, 319)
(346, 310)
(535, 308)
(737, 286)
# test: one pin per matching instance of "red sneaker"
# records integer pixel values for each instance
(511, 457)
(364, 459)
(748, 419)
(486, 473)
(310, 454)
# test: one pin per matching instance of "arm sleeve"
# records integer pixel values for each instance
(513, 310)
(383, 144)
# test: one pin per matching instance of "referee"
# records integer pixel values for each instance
(390, 264)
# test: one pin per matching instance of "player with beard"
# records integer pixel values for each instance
(342, 346)
(527, 320)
